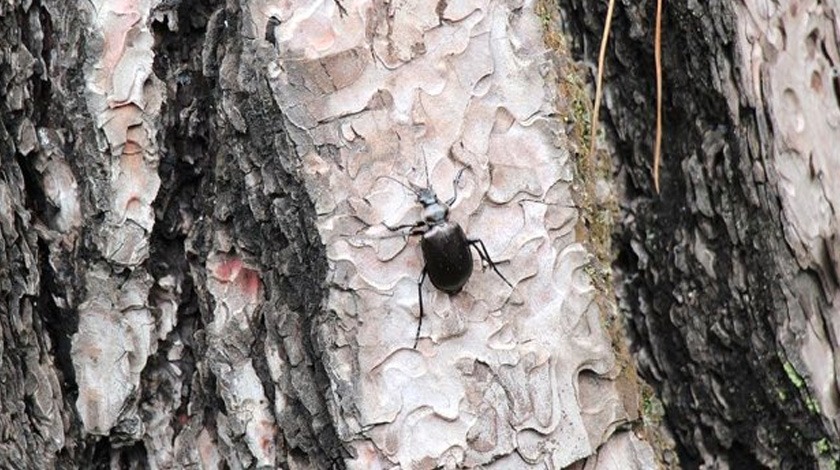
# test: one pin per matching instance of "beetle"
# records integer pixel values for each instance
(445, 246)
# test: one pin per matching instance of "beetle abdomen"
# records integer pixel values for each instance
(449, 262)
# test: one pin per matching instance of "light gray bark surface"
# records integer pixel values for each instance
(189, 204)
(502, 378)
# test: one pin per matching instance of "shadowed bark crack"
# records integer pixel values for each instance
(704, 266)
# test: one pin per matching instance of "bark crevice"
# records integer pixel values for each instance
(703, 267)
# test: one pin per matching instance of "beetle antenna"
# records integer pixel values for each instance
(399, 183)
(426, 167)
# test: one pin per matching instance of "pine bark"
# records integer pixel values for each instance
(729, 276)
(131, 339)
(195, 270)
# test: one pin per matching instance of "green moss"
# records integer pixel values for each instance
(812, 405)
(823, 446)
(829, 454)
(810, 402)
(794, 377)
(652, 408)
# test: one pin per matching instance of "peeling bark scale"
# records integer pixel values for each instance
(404, 90)
(195, 269)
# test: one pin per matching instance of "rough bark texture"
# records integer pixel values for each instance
(730, 275)
(501, 378)
(190, 270)
(36, 415)
(157, 298)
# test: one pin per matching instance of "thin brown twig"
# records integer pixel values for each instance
(599, 82)
(657, 57)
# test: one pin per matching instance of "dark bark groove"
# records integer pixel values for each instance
(273, 226)
(36, 386)
(705, 334)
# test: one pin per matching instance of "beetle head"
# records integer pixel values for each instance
(426, 196)
(433, 209)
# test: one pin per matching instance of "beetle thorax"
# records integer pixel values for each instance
(436, 213)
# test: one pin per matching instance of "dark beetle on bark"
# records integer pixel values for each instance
(446, 248)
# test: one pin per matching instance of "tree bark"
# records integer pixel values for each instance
(195, 266)
(729, 276)
(500, 378)
(196, 271)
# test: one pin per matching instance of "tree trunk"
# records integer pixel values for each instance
(196, 269)
(196, 265)
(730, 275)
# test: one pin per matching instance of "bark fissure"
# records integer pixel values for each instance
(259, 204)
(705, 268)
(300, 276)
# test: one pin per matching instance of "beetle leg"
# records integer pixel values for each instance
(420, 295)
(484, 255)
(455, 187)
(419, 230)
(414, 227)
